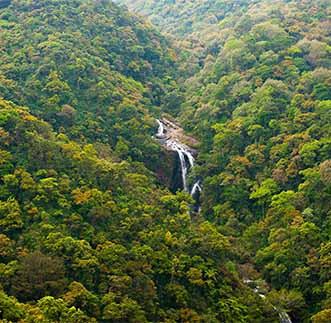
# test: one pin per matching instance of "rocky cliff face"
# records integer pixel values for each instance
(168, 171)
(178, 156)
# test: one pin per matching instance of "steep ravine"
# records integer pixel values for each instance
(172, 138)
(257, 288)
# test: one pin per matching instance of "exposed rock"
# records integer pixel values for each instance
(172, 138)
(175, 132)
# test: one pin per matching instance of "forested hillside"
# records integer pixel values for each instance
(261, 106)
(89, 229)
(77, 64)
(87, 232)
(196, 27)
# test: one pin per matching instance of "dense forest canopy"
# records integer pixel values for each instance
(195, 26)
(88, 231)
(261, 104)
(78, 64)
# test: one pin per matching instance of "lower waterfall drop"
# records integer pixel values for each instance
(196, 188)
(283, 316)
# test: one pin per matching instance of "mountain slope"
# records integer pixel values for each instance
(260, 104)
(186, 18)
(91, 69)
(196, 27)
(87, 234)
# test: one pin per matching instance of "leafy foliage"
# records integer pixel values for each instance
(260, 106)
(87, 233)
(196, 27)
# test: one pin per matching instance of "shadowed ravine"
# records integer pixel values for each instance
(171, 136)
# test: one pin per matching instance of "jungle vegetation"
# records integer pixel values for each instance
(89, 233)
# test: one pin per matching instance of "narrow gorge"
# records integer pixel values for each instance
(171, 137)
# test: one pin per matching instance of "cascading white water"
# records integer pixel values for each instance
(190, 158)
(160, 131)
(196, 188)
(173, 145)
(283, 316)
(185, 157)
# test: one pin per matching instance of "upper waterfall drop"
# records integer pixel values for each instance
(160, 131)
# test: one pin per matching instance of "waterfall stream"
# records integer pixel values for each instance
(196, 188)
(186, 161)
(283, 316)
(160, 131)
(185, 156)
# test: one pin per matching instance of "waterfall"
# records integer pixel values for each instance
(160, 132)
(182, 153)
(185, 156)
(190, 158)
(196, 188)
(283, 316)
